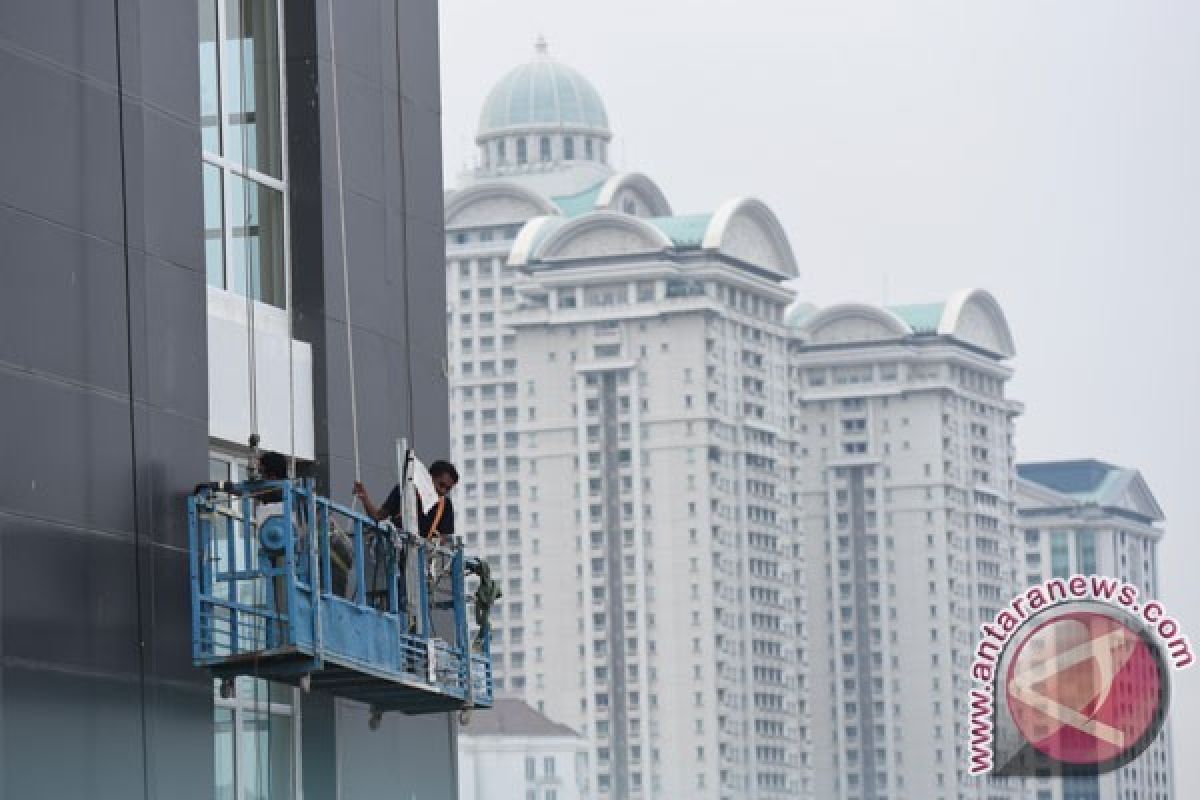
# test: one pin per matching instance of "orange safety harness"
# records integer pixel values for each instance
(437, 518)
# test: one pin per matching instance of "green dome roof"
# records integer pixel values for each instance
(542, 94)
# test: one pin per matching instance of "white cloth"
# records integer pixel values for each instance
(423, 482)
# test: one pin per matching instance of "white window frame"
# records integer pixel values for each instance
(241, 706)
(229, 167)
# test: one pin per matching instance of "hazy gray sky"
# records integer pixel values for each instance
(1046, 151)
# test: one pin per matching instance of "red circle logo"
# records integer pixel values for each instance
(1085, 688)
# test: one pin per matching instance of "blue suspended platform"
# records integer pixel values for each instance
(290, 586)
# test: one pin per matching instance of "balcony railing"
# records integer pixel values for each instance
(291, 586)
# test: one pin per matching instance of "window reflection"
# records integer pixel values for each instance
(255, 751)
(214, 226)
(256, 243)
(252, 85)
(210, 82)
(223, 727)
(241, 121)
(265, 756)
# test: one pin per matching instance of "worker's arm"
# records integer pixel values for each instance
(370, 509)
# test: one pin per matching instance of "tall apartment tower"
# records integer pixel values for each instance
(904, 464)
(543, 136)
(619, 414)
(1094, 518)
(664, 565)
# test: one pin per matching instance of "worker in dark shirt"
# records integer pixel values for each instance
(272, 466)
(437, 522)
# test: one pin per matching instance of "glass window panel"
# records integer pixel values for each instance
(257, 242)
(265, 756)
(251, 690)
(214, 227)
(281, 749)
(224, 783)
(281, 693)
(1086, 545)
(210, 80)
(258, 692)
(252, 85)
(1060, 556)
(218, 470)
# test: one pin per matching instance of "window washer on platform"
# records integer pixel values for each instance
(436, 523)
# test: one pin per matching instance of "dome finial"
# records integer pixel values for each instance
(543, 94)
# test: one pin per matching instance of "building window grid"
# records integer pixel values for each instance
(245, 153)
(256, 752)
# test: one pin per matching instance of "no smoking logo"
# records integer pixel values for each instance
(1086, 689)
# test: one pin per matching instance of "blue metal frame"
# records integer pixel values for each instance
(275, 615)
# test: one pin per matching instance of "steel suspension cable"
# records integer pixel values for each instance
(244, 65)
(247, 250)
(287, 267)
(408, 333)
(337, 143)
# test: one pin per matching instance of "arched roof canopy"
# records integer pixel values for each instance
(797, 312)
(973, 316)
(598, 234)
(530, 237)
(747, 229)
(852, 322)
(499, 202)
(651, 201)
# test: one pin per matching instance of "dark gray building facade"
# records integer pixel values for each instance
(160, 158)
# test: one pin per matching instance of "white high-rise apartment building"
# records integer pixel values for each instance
(543, 138)
(745, 552)
(1094, 518)
(905, 466)
(665, 567)
(621, 420)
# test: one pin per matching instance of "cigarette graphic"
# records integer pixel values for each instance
(1110, 652)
